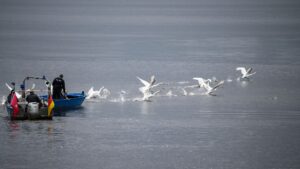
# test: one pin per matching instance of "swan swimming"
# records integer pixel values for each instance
(146, 89)
(246, 73)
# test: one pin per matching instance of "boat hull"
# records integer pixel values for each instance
(24, 114)
(73, 101)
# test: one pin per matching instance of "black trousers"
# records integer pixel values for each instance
(57, 94)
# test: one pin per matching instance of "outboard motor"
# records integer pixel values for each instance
(33, 108)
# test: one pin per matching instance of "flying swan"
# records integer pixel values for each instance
(146, 89)
(246, 73)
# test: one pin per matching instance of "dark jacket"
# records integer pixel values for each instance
(9, 97)
(59, 84)
(33, 98)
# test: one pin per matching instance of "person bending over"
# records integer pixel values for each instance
(32, 97)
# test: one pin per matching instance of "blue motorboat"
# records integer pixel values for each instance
(71, 101)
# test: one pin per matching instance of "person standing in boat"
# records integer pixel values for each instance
(9, 97)
(59, 90)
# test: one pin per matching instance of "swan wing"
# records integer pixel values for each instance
(143, 81)
(207, 80)
(251, 74)
(219, 84)
(100, 90)
(154, 93)
(152, 80)
(207, 87)
(242, 69)
(91, 91)
(161, 83)
(200, 81)
(198, 78)
(10, 88)
(249, 70)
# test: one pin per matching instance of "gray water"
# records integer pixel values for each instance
(248, 124)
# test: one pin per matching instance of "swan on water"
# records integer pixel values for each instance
(146, 89)
(246, 73)
(202, 81)
(94, 93)
(209, 89)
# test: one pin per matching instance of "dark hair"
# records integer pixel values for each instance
(61, 75)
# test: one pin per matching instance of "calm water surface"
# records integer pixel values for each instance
(249, 124)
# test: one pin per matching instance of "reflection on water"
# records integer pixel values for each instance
(26, 132)
(13, 128)
(243, 82)
(144, 108)
(50, 129)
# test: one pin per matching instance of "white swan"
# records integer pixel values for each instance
(246, 73)
(102, 93)
(94, 93)
(201, 81)
(209, 89)
(146, 89)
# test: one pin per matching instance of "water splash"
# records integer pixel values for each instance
(122, 95)
(229, 80)
(170, 93)
(183, 82)
(105, 93)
